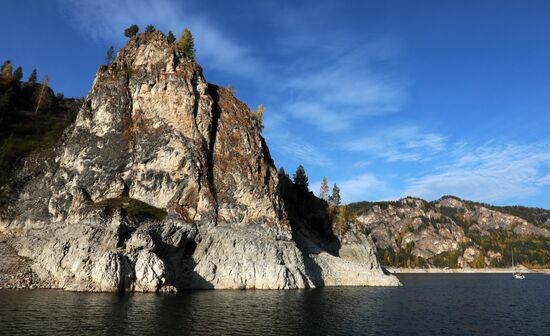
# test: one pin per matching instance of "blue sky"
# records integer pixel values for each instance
(385, 98)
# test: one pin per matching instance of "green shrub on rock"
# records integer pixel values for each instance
(131, 31)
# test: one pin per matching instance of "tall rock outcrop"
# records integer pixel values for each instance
(165, 182)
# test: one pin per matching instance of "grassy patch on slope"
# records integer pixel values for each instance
(134, 208)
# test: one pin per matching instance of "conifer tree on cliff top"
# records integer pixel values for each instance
(300, 178)
(282, 172)
(170, 37)
(186, 44)
(6, 74)
(17, 75)
(335, 198)
(131, 31)
(259, 115)
(32, 77)
(109, 58)
(323, 192)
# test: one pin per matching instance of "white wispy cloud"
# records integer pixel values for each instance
(545, 180)
(361, 164)
(358, 188)
(105, 20)
(350, 82)
(488, 173)
(319, 115)
(331, 92)
(362, 187)
(295, 149)
(399, 143)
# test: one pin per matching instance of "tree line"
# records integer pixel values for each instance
(300, 179)
(10, 78)
(31, 118)
(340, 216)
(11, 81)
(184, 45)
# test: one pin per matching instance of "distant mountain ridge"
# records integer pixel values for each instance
(451, 232)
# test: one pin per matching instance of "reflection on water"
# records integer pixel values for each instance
(427, 304)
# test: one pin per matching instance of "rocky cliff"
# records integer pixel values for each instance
(164, 182)
(451, 232)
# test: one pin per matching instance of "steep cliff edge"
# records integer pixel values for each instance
(165, 182)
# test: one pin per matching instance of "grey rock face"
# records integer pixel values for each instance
(150, 271)
(165, 182)
(411, 221)
(434, 228)
(111, 272)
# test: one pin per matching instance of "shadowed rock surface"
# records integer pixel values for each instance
(164, 182)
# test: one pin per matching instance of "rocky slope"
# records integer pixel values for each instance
(451, 232)
(164, 182)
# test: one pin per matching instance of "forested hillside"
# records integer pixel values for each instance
(451, 232)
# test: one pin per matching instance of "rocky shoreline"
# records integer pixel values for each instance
(15, 271)
(466, 270)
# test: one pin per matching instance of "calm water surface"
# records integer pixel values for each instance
(427, 304)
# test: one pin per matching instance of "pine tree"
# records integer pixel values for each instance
(300, 179)
(259, 114)
(32, 77)
(110, 55)
(41, 91)
(6, 76)
(170, 38)
(131, 31)
(149, 28)
(186, 44)
(335, 198)
(17, 75)
(323, 192)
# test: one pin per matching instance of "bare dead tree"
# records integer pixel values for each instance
(40, 97)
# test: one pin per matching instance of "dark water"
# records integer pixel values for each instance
(493, 304)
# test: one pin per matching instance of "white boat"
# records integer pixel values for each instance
(517, 275)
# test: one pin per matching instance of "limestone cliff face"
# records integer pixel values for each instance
(165, 182)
